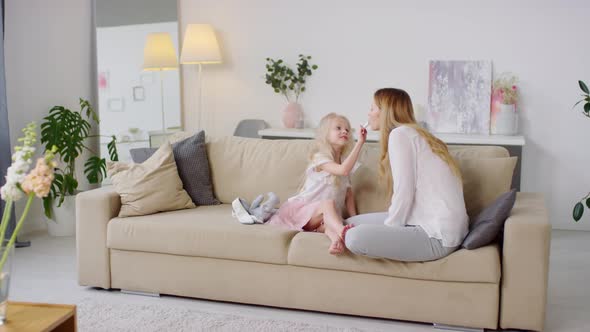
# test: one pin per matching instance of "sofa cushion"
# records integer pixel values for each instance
(489, 223)
(247, 167)
(484, 179)
(149, 187)
(479, 265)
(191, 159)
(206, 231)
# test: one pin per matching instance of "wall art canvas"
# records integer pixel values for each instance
(459, 97)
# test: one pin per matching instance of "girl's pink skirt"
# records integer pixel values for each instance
(294, 214)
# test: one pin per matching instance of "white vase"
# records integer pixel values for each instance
(506, 120)
(64, 218)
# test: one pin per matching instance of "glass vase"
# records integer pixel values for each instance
(5, 273)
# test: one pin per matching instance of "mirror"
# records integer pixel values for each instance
(138, 83)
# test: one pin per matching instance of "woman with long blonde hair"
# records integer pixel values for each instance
(427, 218)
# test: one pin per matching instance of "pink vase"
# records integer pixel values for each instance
(293, 116)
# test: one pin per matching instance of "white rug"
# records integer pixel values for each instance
(95, 315)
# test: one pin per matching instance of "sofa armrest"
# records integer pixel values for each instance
(94, 209)
(525, 264)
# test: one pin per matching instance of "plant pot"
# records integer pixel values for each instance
(506, 120)
(5, 274)
(64, 218)
(293, 115)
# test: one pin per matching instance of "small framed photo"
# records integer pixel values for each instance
(103, 80)
(116, 104)
(138, 93)
(146, 77)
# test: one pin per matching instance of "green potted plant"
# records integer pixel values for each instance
(290, 84)
(67, 131)
(579, 206)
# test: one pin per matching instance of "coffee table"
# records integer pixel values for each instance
(36, 317)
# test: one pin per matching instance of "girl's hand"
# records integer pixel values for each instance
(362, 135)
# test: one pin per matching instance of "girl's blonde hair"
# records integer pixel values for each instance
(396, 110)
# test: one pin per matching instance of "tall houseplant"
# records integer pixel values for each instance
(291, 85)
(67, 131)
(579, 206)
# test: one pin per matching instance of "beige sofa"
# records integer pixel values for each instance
(205, 253)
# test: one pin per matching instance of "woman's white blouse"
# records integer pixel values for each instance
(426, 192)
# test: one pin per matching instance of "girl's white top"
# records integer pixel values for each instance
(321, 185)
(426, 192)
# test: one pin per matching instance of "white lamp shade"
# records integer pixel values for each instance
(200, 45)
(159, 53)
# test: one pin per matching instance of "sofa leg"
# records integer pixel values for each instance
(456, 328)
(140, 293)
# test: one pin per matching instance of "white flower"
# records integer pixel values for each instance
(21, 162)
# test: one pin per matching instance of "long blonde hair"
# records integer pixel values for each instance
(396, 110)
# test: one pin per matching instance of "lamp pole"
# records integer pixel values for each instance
(199, 101)
(162, 99)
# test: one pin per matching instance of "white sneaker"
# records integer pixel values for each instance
(239, 211)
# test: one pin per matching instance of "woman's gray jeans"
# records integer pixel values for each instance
(371, 237)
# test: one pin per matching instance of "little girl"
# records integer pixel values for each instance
(319, 205)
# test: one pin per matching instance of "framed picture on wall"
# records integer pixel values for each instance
(459, 97)
(103, 80)
(138, 93)
(116, 104)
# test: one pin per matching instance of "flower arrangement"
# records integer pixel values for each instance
(19, 184)
(506, 86)
(283, 79)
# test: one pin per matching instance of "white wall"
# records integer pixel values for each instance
(48, 62)
(362, 46)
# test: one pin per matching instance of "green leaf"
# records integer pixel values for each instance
(47, 206)
(314, 67)
(112, 147)
(583, 87)
(95, 169)
(578, 211)
(587, 107)
(588, 202)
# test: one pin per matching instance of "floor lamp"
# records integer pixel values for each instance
(200, 47)
(159, 55)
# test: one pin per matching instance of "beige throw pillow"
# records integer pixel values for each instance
(150, 187)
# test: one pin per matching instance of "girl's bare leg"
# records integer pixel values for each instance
(333, 225)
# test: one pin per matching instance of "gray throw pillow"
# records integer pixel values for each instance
(193, 167)
(489, 223)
